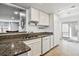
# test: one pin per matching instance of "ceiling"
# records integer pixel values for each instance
(61, 9)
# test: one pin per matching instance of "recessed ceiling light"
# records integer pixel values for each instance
(73, 6)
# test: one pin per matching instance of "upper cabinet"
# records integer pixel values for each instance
(44, 19)
(34, 15)
(39, 17)
(57, 30)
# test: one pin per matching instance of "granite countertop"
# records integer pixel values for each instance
(25, 33)
(12, 43)
(13, 48)
(22, 36)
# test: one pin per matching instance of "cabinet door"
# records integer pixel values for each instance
(35, 46)
(45, 44)
(57, 30)
(34, 14)
(35, 49)
(44, 19)
(52, 41)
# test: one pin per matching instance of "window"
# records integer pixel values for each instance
(70, 30)
(65, 30)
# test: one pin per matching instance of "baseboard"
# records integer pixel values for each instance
(49, 50)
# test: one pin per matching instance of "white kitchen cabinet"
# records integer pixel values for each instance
(52, 41)
(34, 15)
(57, 30)
(44, 19)
(35, 46)
(45, 44)
(41, 18)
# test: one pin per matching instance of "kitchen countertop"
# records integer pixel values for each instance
(12, 43)
(13, 48)
(22, 36)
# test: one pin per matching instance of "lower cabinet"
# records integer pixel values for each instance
(56, 42)
(40, 46)
(35, 46)
(45, 44)
(52, 41)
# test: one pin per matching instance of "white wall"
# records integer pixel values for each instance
(57, 28)
(70, 19)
